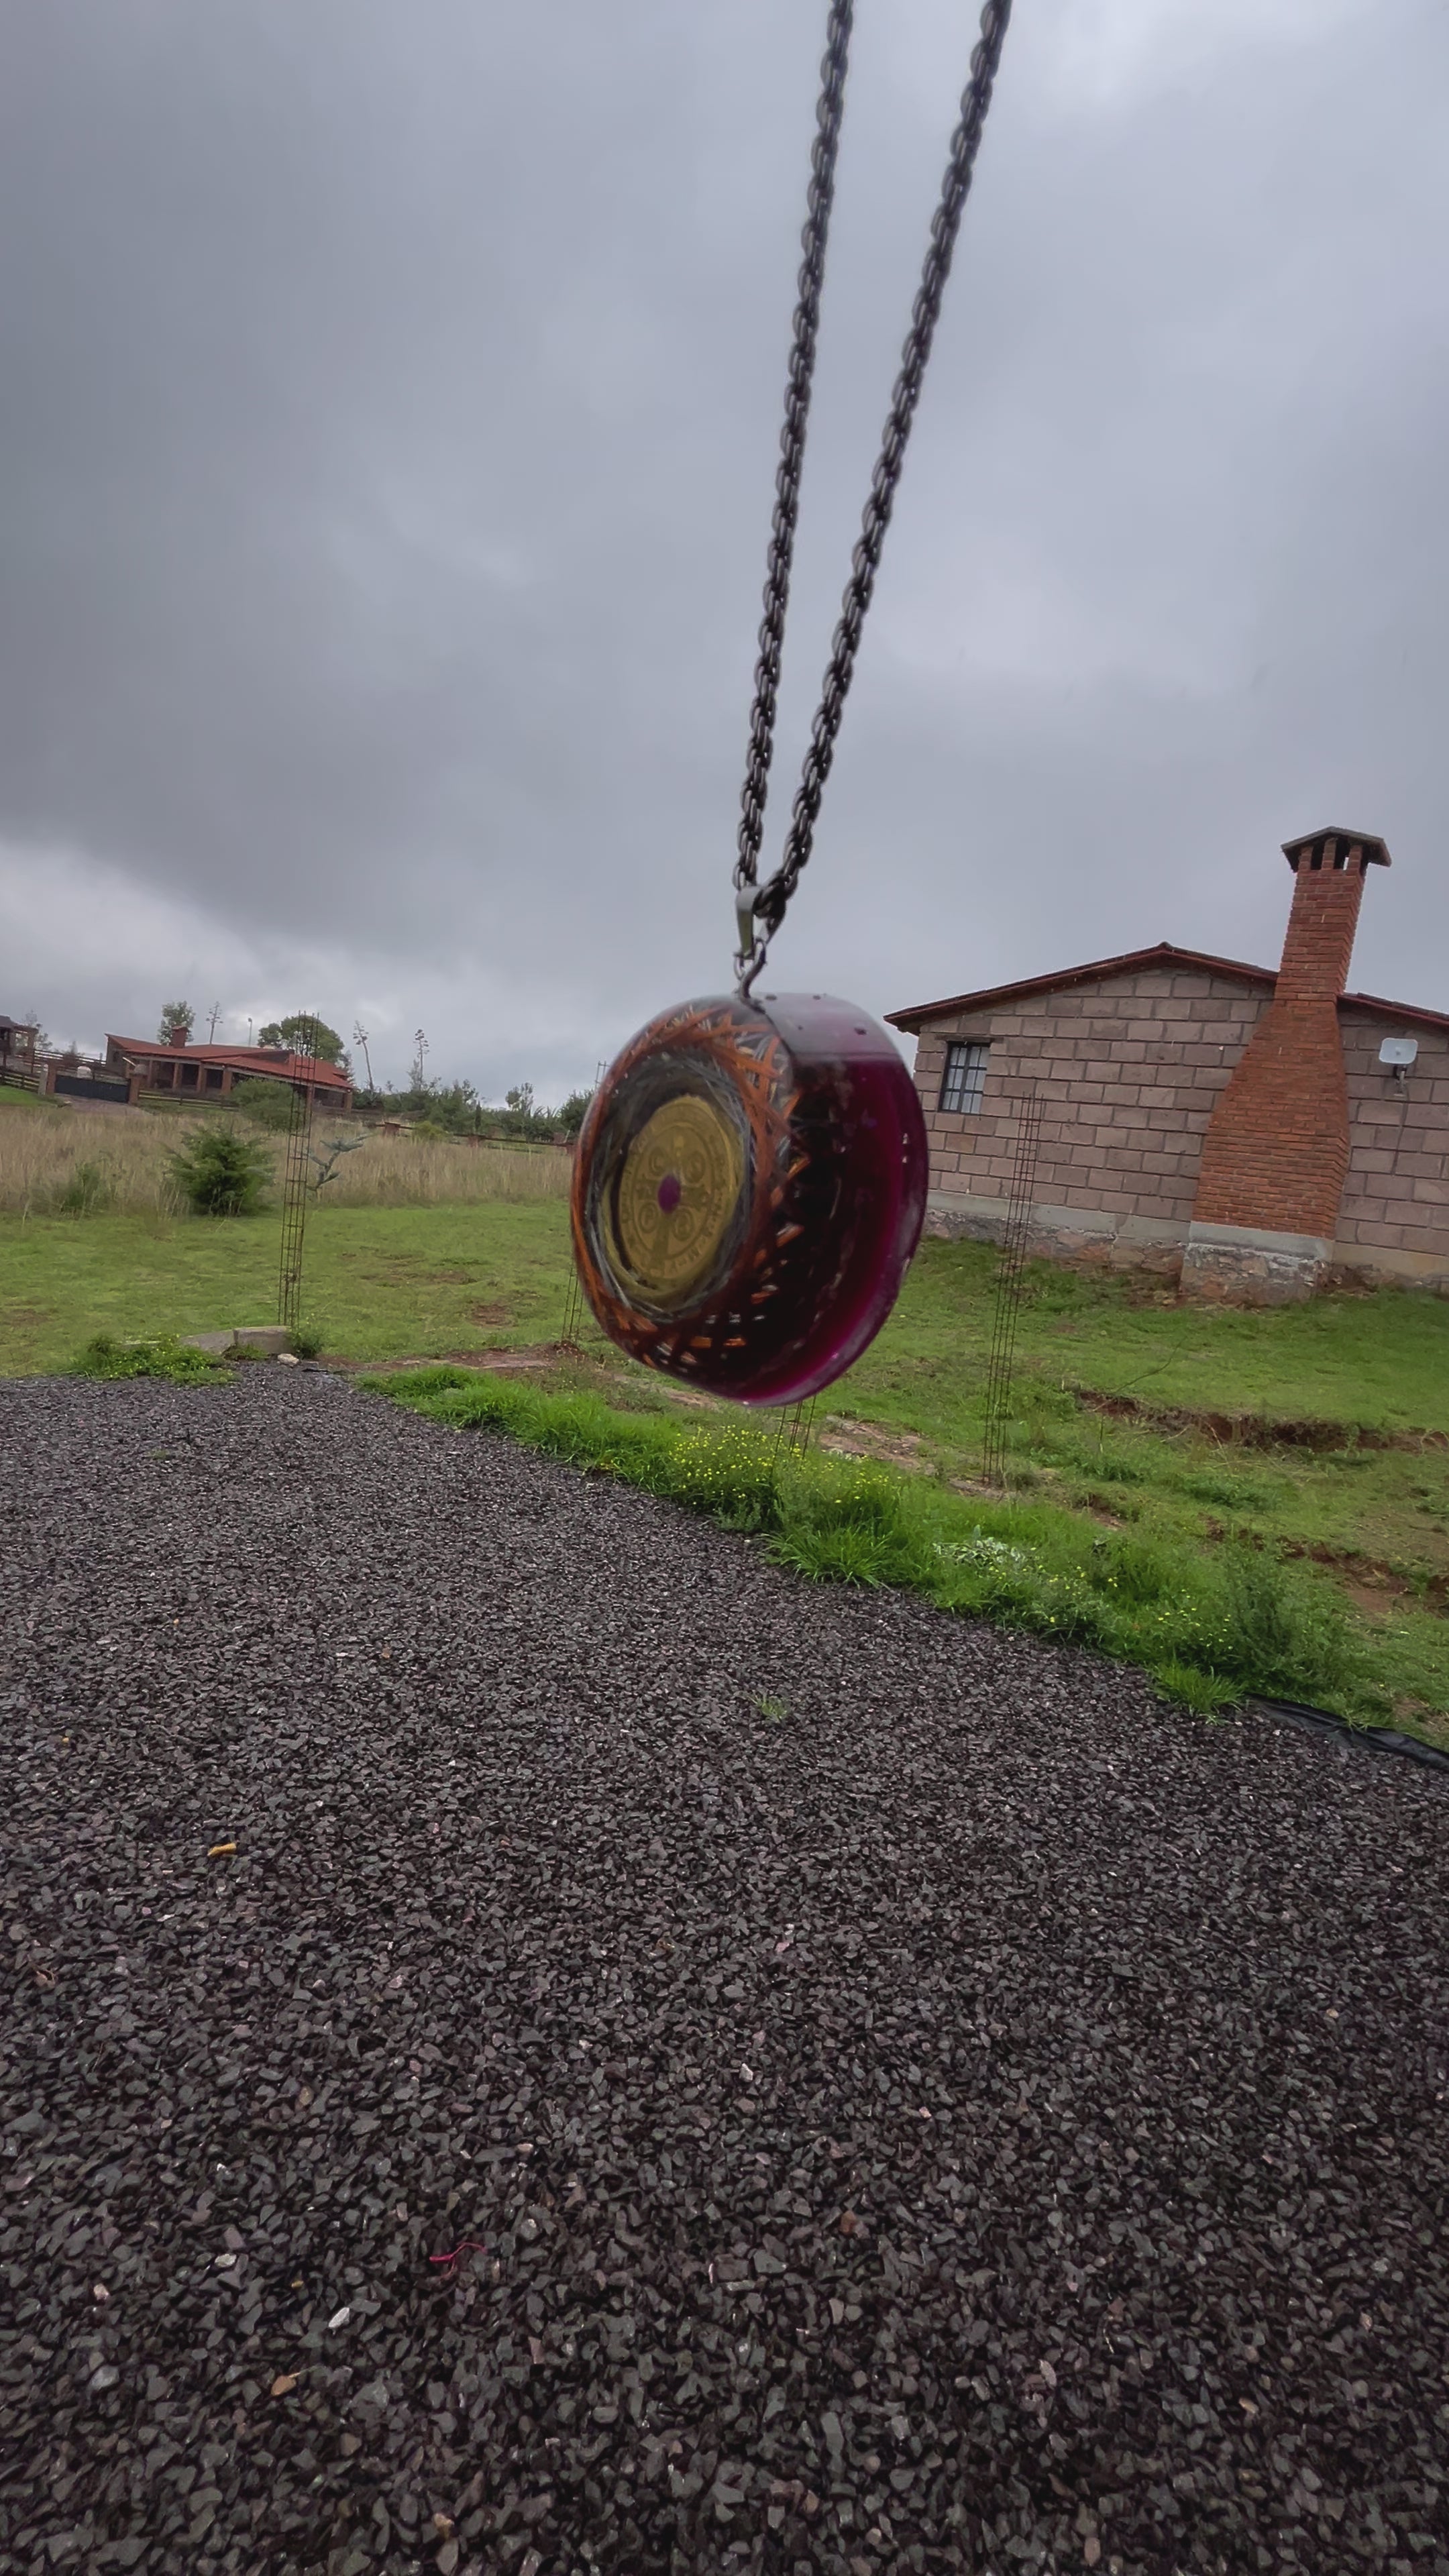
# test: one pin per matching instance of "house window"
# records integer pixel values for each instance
(965, 1078)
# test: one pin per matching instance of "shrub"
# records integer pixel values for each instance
(161, 1356)
(267, 1104)
(220, 1174)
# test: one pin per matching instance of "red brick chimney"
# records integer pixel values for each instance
(1275, 1156)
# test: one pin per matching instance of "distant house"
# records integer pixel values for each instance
(18, 1061)
(1246, 1130)
(192, 1072)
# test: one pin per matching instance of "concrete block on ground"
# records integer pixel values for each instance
(214, 1344)
(267, 1341)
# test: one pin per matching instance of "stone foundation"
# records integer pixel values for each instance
(1253, 1266)
(1064, 1233)
(1240, 1264)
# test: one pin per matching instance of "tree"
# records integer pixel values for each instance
(221, 1174)
(305, 1034)
(574, 1111)
(327, 1161)
(176, 1020)
(520, 1099)
(359, 1038)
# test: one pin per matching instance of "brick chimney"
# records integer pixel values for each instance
(1275, 1156)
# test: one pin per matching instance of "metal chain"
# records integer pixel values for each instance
(768, 909)
(792, 437)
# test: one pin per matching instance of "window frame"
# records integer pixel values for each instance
(970, 1060)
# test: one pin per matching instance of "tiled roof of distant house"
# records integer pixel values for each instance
(276, 1061)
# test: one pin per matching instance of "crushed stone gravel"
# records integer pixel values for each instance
(482, 2092)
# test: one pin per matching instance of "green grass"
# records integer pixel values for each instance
(382, 1283)
(1375, 1366)
(1368, 1524)
(1381, 1361)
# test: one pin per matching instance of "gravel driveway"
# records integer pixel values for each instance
(978, 2119)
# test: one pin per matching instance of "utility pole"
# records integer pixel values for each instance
(211, 1023)
(359, 1038)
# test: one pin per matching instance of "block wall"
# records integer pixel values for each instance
(1396, 1197)
(1127, 1069)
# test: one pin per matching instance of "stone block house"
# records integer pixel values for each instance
(1252, 1132)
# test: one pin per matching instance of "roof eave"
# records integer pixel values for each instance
(1394, 1010)
(1135, 959)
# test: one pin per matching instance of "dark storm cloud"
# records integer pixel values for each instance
(388, 399)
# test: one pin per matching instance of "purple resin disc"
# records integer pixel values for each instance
(749, 1190)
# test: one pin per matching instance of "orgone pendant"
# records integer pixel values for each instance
(749, 1189)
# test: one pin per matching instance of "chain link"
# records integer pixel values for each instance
(819, 200)
(772, 898)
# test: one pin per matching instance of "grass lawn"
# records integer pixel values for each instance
(12, 1096)
(1368, 1506)
(1293, 1401)
(382, 1283)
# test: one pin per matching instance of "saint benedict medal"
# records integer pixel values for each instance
(749, 1189)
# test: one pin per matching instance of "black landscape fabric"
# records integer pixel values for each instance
(483, 2093)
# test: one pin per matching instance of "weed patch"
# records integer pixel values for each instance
(163, 1356)
(89, 1191)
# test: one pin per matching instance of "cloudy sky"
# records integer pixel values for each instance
(389, 394)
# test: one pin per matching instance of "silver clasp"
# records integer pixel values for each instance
(745, 922)
(750, 955)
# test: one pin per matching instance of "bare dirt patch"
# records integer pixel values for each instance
(846, 1438)
(543, 1355)
(1256, 1430)
(1373, 1585)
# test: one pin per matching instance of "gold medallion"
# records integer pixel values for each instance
(677, 1192)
